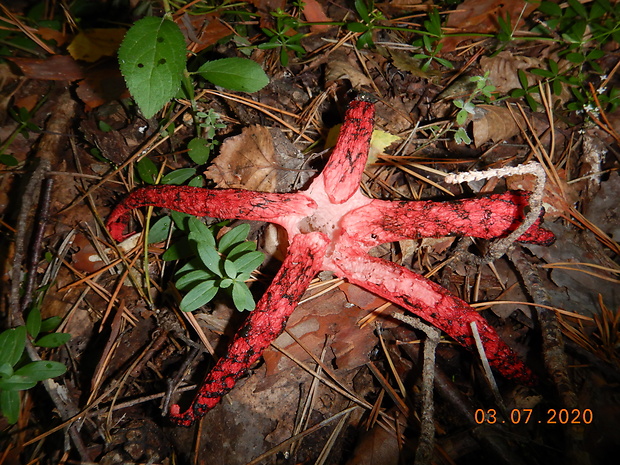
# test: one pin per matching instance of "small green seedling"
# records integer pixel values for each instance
(223, 265)
(17, 372)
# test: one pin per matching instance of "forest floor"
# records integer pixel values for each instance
(458, 87)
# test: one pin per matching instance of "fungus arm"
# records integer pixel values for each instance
(484, 217)
(221, 203)
(264, 324)
(343, 172)
(431, 302)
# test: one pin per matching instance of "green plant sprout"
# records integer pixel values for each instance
(483, 91)
(222, 265)
(279, 36)
(583, 29)
(430, 42)
(17, 372)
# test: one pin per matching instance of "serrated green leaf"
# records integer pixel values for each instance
(41, 369)
(242, 297)
(238, 74)
(10, 405)
(152, 60)
(179, 176)
(249, 262)
(209, 257)
(200, 295)
(12, 343)
(160, 230)
(53, 340)
(233, 237)
(33, 321)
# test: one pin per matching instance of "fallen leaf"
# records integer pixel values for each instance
(477, 16)
(313, 11)
(259, 159)
(495, 123)
(54, 68)
(504, 69)
(341, 67)
(92, 44)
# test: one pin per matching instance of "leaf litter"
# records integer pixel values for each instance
(259, 415)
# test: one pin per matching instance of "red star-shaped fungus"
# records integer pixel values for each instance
(332, 226)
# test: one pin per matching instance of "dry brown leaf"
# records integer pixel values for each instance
(259, 159)
(495, 123)
(504, 69)
(478, 16)
(313, 11)
(342, 67)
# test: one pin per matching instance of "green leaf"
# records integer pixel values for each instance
(199, 296)
(362, 9)
(53, 340)
(160, 230)
(16, 383)
(181, 220)
(50, 324)
(152, 60)
(8, 160)
(241, 249)
(6, 371)
(178, 177)
(12, 343)
(33, 321)
(238, 74)
(357, 27)
(230, 269)
(578, 7)
(242, 297)
(199, 232)
(180, 249)
(225, 283)
(189, 279)
(209, 257)
(576, 58)
(233, 237)
(522, 78)
(42, 369)
(199, 150)
(461, 136)
(10, 405)
(550, 9)
(147, 170)
(249, 262)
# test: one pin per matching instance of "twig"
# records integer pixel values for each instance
(553, 352)
(426, 443)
